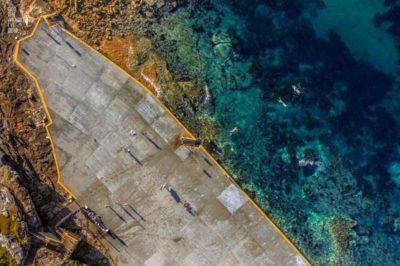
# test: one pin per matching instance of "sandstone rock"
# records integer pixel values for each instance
(10, 178)
(160, 3)
(45, 256)
(150, 2)
(16, 251)
(8, 206)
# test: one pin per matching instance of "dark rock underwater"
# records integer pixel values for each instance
(309, 130)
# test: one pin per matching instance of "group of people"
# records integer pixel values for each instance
(94, 218)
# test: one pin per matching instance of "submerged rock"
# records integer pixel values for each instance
(222, 45)
(156, 8)
(394, 171)
(396, 225)
(339, 230)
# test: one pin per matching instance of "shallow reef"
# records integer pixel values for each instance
(297, 122)
(339, 230)
(306, 127)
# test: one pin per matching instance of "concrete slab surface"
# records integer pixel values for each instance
(94, 108)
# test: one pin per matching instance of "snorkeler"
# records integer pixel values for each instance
(296, 89)
(233, 131)
(282, 102)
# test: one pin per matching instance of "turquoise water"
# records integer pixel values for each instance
(352, 20)
(306, 98)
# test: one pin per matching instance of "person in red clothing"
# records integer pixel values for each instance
(188, 208)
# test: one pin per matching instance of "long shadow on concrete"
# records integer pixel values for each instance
(50, 207)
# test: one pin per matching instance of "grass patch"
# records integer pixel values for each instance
(9, 228)
(5, 258)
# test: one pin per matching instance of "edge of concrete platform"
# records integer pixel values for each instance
(17, 48)
(50, 122)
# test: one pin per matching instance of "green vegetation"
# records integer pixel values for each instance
(9, 228)
(5, 258)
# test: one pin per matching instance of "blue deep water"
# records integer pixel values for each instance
(312, 88)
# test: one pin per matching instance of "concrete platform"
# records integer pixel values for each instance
(94, 108)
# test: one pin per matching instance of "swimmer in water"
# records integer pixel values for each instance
(233, 131)
(296, 89)
(282, 102)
